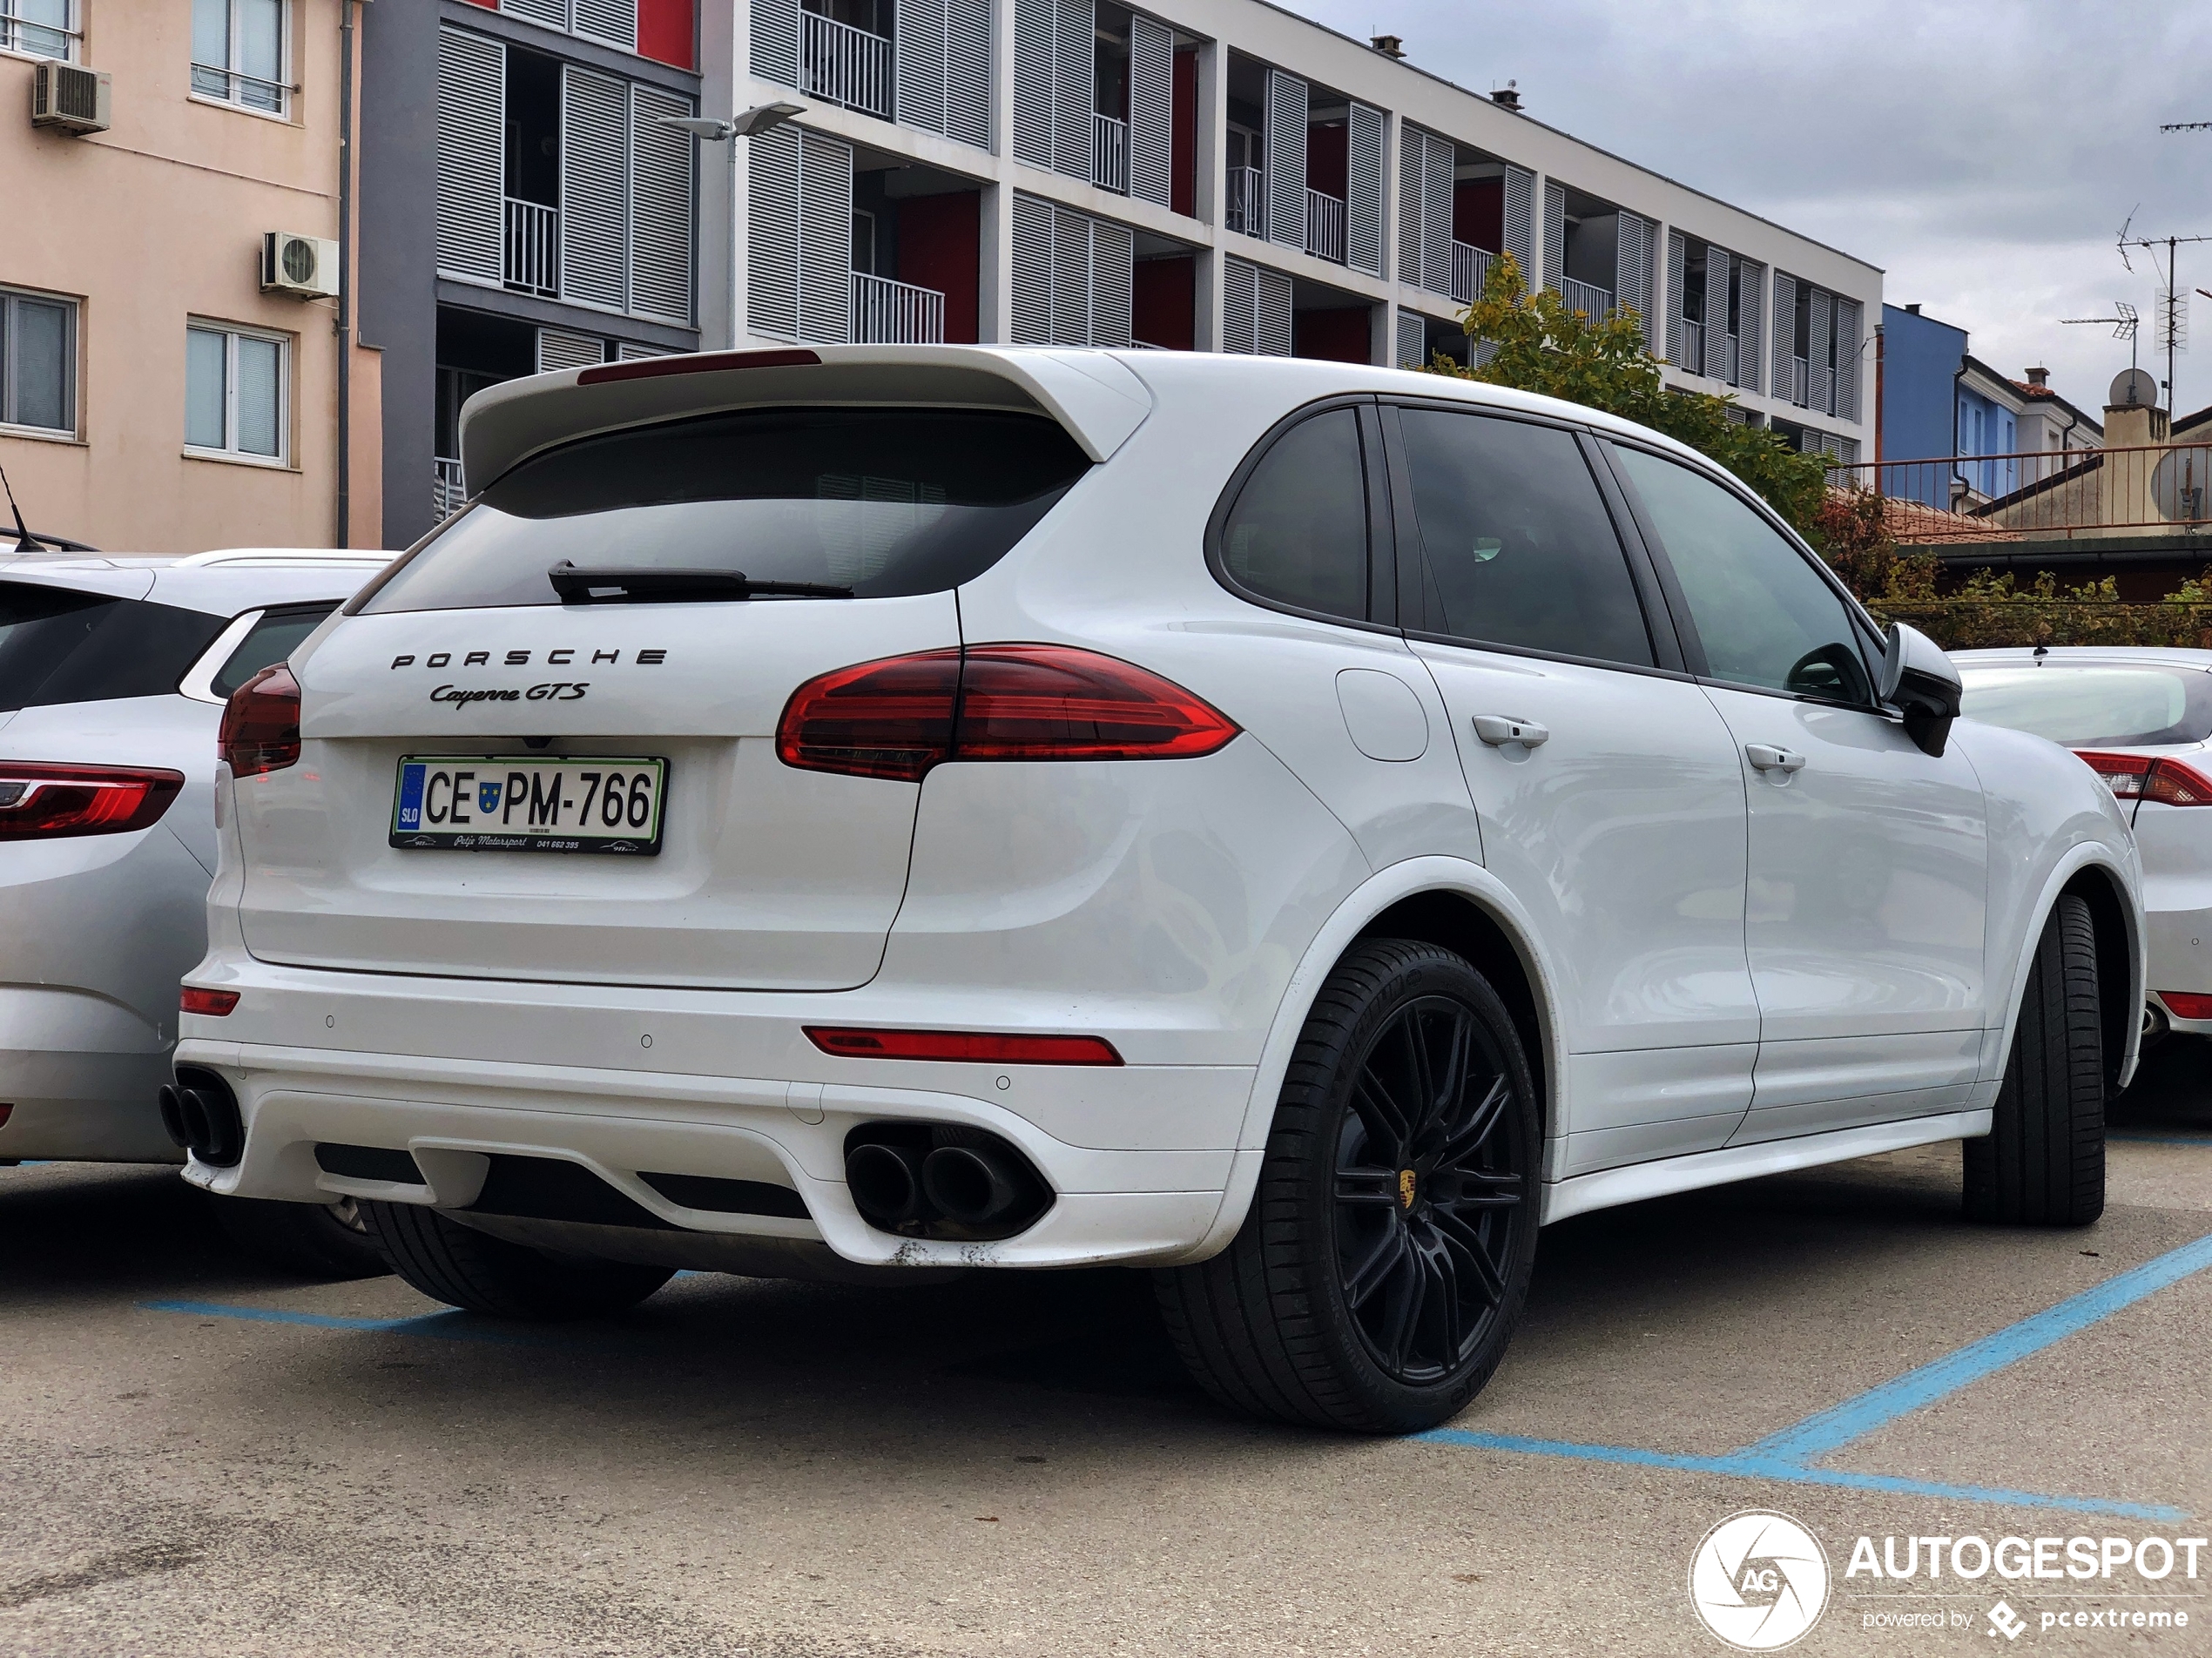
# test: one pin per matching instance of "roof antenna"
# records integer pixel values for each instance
(25, 541)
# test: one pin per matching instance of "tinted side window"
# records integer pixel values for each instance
(1298, 531)
(1519, 548)
(58, 646)
(1764, 615)
(272, 639)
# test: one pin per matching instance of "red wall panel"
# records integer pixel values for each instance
(1338, 336)
(1165, 304)
(940, 243)
(1479, 213)
(1183, 125)
(664, 31)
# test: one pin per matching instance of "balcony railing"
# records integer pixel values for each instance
(1325, 227)
(895, 313)
(533, 262)
(1247, 209)
(2040, 495)
(1110, 154)
(1470, 270)
(1693, 347)
(1803, 396)
(48, 39)
(841, 65)
(1593, 301)
(449, 491)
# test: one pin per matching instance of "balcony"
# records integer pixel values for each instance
(449, 492)
(841, 65)
(1593, 301)
(533, 256)
(1325, 227)
(1110, 154)
(1470, 271)
(895, 313)
(1247, 206)
(1693, 347)
(1803, 396)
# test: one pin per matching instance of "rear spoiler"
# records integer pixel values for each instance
(1097, 399)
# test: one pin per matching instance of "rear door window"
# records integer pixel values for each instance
(884, 502)
(1297, 533)
(60, 646)
(271, 640)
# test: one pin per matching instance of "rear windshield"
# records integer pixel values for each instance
(57, 646)
(2102, 704)
(885, 501)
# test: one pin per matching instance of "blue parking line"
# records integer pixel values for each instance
(2162, 1139)
(450, 1325)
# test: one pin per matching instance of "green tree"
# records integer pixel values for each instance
(1533, 343)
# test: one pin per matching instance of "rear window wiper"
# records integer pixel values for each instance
(579, 584)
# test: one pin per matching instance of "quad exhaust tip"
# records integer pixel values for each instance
(933, 1180)
(201, 1116)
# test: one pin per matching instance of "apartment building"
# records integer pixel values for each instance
(170, 375)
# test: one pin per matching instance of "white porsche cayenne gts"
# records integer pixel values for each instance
(1298, 828)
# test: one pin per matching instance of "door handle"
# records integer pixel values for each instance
(1498, 730)
(1766, 757)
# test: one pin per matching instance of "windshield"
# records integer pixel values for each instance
(2093, 705)
(883, 502)
(59, 646)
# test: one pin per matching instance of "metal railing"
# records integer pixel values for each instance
(1801, 393)
(62, 41)
(2040, 495)
(1470, 271)
(1246, 208)
(235, 86)
(532, 253)
(841, 65)
(447, 491)
(1325, 227)
(1693, 347)
(1110, 154)
(1593, 301)
(895, 313)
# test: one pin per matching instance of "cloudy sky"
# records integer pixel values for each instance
(1984, 155)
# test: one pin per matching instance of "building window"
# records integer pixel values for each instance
(41, 29)
(38, 363)
(238, 53)
(234, 393)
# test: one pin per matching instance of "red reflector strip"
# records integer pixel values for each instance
(978, 1047)
(215, 1003)
(701, 363)
(2185, 1005)
(6, 1111)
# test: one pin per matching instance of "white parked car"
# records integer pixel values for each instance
(2142, 719)
(113, 674)
(1295, 825)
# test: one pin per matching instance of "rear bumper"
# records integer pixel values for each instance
(2180, 958)
(80, 1071)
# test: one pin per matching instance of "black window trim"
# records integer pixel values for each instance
(208, 663)
(1668, 663)
(1383, 583)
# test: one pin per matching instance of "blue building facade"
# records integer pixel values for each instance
(1922, 362)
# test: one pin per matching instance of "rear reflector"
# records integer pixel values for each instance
(979, 1046)
(51, 802)
(261, 724)
(2150, 777)
(701, 363)
(899, 717)
(2185, 1005)
(214, 1003)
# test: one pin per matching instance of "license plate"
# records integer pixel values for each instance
(502, 802)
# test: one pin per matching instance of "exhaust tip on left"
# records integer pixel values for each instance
(201, 1114)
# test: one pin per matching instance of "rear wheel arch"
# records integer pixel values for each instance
(2119, 999)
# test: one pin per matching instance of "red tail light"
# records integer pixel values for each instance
(261, 724)
(50, 802)
(2183, 1004)
(2150, 777)
(216, 1003)
(977, 1046)
(898, 717)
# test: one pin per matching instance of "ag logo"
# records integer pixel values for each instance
(1759, 1580)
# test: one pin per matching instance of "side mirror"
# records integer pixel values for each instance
(1919, 682)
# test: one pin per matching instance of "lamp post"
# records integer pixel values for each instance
(747, 124)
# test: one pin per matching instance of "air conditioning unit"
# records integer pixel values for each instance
(70, 96)
(304, 266)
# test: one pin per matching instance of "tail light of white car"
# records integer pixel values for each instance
(51, 802)
(261, 724)
(2150, 777)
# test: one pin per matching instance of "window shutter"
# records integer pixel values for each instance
(1785, 338)
(558, 350)
(775, 42)
(1112, 282)
(1363, 194)
(1033, 31)
(1677, 281)
(1071, 278)
(629, 351)
(824, 239)
(1075, 85)
(470, 228)
(1521, 229)
(1151, 110)
(1032, 275)
(1816, 352)
(1554, 234)
(1289, 109)
(660, 207)
(612, 20)
(1441, 161)
(554, 13)
(1240, 306)
(917, 38)
(1751, 333)
(1413, 144)
(1271, 313)
(1847, 316)
(771, 234)
(595, 196)
(1716, 364)
(967, 72)
(1412, 340)
(1632, 268)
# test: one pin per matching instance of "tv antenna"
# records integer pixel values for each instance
(25, 541)
(2173, 301)
(2187, 126)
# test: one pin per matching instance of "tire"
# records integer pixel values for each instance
(471, 1270)
(1378, 1276)
(313, 1240)
(2043, 1162)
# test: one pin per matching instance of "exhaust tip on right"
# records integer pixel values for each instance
(942, 1180)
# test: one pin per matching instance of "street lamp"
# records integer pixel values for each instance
(747, 124)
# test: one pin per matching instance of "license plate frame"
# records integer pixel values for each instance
(414, 828)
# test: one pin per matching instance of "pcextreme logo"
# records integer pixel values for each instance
(1759, 1580)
